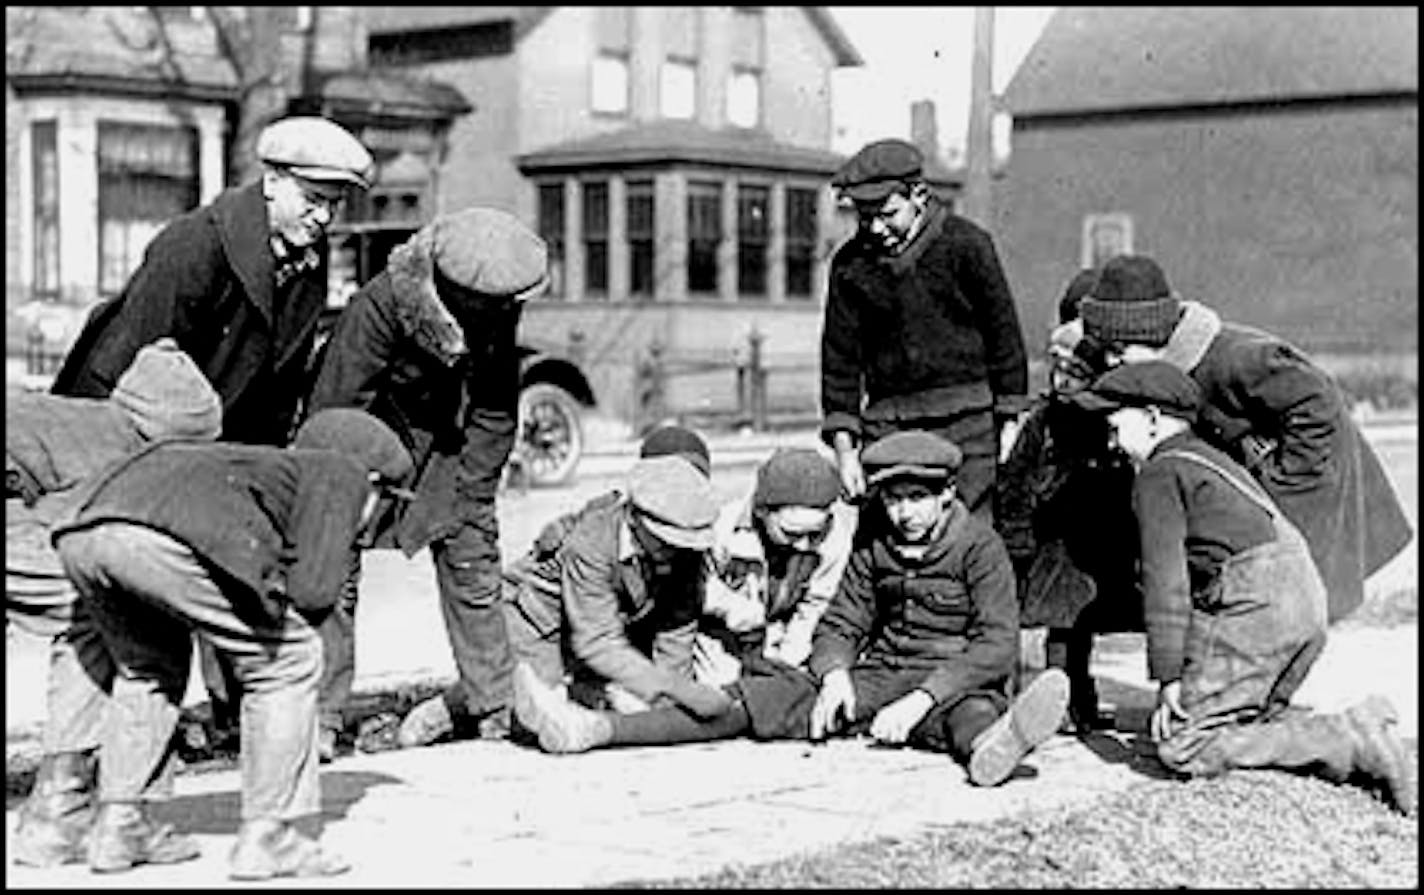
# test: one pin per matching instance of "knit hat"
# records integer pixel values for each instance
(491, 252)
(878, 169)
(359, 435)
(914, 454)
(1131, 303)
(1143, 384)
(167, 396)
(796, 477)
(674, 501)
(1078, 288)
(682, 442)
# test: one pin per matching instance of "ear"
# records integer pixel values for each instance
(269, 182)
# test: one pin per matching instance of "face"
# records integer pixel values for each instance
(799, 529)
(915, 508)
(892, 222)
(300, 210)
(1133, 430)
(659, 553)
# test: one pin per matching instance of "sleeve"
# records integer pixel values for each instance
(1296, 404)
(490, 407)
(992, 639)
(845, 626)
(596, 632)
(361, 348)
(1158, 503)
(841, 362)
(331, 493)
(672, 649)
(825, 581)
(988, 290)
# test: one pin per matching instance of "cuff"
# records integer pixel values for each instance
(839, 422)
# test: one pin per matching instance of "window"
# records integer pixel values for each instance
(45, 150)
(753, 234)
(704, 234)
(609, 84)
(744, 98)
(748, 61)
(477, 41)
(642, 217)
(1105, 236)
(148, 174)
(595, 239)
(801, 232)
(678, 90)
(551, 230)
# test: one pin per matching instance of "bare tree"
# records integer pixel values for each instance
(250, 38)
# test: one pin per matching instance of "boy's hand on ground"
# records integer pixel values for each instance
(893, 723)
(835, 701)
(1168, 711)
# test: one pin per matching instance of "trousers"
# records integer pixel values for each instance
(149, 594)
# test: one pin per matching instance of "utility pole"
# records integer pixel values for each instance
(978, 204)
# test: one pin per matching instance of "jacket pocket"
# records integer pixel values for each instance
(939, 605)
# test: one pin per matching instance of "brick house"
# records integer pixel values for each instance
(1268, 157)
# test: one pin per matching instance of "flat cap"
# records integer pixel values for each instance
(877, 169)
(674, 500)
(913, 453)
(1152, 383)
(490, 251)
(317, 149)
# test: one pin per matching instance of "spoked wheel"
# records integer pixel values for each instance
(550, 434)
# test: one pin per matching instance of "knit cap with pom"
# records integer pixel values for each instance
(167, 396)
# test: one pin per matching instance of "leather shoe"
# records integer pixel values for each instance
(267, 849)
(123, 837)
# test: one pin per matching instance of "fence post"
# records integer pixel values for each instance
(757, 379)
(577, 346)
(650, 389)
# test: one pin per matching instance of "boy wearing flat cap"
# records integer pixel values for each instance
(609, 608)
(246, 545)
(1235, 608)
(920, 329)
(52, 444)
(917, 647)
(429, 347)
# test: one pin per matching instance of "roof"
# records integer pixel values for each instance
(393, 19)
(1114, 58)
(667, 141)
(380, 92)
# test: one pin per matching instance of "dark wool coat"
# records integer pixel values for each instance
(457, 419)
(932, 332)
(1318, 467)
(279, 524)
(53, 443)
(207, 279)
(951, 614)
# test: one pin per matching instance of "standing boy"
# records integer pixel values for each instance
(1235, 607)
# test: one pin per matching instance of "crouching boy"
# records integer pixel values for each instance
(917, 647)
(1235, 607)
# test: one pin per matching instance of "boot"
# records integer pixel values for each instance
(1033, 716)
(54, 821)
(1378, 753)
(123, 837)
(562, 726)
(267, 849)
(427, 723)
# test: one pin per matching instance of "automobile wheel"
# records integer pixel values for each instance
(550, 434)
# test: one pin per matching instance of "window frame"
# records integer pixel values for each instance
(1094, 223)
(596, 234)
(45, 177)
(553, 236)
(795, 243)
(704, 240)
(670, 65)
(639, 237)
(753, 241)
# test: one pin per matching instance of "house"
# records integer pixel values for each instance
(675, 159)
(1267, 157)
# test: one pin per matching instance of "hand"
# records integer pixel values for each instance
(852, 474)
(1007, 436)
(893, 723)
(700, 699)
(1168, 711)
(744, 613)
(835, 701)
(712, 664)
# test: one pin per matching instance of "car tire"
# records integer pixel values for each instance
(550, 434)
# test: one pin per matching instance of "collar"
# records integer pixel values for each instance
(931, 221)
(1192, 336)
(240, 217)
(628, 548)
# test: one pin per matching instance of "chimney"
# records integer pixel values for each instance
(924, 131)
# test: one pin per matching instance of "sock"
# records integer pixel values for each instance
(674, 725)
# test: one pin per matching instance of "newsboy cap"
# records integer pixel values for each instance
(674, 501)
(360, 436)
(913, 453)
(490, 251)
(317, 149)
(1131, 303)
(878, 169)
(1151, 383)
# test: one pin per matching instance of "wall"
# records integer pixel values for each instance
(1302, 220)
(796, 102)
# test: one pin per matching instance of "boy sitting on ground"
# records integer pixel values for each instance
(917, 647)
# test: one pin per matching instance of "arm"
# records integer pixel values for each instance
(987, 288)
(842, 385)
(330, 494)
(843, 629)
(491, 404)
(1162, 525)
(1295, 404)
(362, 347)
(825, 581)
(992, 636)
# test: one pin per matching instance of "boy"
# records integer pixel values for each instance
(1235, 607)
(917, 647)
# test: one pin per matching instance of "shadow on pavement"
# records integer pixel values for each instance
(219, 813)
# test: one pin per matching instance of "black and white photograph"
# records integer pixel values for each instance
(711, 447)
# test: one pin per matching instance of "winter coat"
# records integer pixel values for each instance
(1288, 423)
(280, 524)
(951, 614)
(620, 619)
(208, 280)
(52, 443)
(457, 418)
(930, 333)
